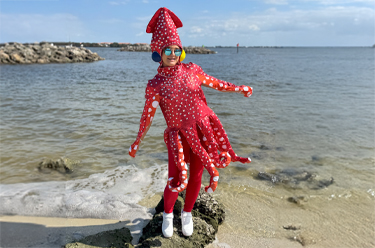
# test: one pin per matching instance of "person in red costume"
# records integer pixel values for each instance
(194, 134)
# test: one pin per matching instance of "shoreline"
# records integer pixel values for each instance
(34, 231)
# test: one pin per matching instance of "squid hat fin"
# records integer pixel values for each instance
(163, 26)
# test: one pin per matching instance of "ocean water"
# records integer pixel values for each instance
(312, 111)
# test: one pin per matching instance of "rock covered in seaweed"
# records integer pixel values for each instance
(118, 238)
(292, 178)
(207, 215)
(205, 228)
(207, 205)
(62, 164)
(45, 53)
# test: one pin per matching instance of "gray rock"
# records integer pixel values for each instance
(118, 238)
(33, 53)
(207, 205)
(292, 178)
(207, 215)
(152, 236)
(62, 165)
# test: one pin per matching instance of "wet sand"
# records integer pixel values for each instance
(29, 231)
(253, 219)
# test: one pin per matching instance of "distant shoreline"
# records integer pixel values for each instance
(120, 45)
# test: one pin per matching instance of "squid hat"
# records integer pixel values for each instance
(163, 27)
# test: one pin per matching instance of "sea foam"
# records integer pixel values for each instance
(113, 194)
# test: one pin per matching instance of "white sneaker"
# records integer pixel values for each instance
(167, 226)
(187, 223)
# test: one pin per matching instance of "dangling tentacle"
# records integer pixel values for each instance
(193, 140)
(220, 161)
(224, 144)
(177, 148)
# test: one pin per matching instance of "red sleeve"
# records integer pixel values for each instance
(221, 85)
(152, 102)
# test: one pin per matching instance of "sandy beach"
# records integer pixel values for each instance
(252, 220)
(27, 231)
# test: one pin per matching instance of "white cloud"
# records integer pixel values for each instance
(34, 27)
(328, 24)
(276, 2)
(119, 2)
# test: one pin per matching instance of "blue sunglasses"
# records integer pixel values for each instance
(168, 52)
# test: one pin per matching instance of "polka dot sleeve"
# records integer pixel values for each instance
(221, 85)
(152, 102)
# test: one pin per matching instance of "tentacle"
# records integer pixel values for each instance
(220, 161)
(192, 138)
(177, 148)
(224, 144)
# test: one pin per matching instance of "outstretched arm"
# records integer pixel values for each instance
(221, 85)
(152, 102)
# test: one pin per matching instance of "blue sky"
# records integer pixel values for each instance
(210, 23)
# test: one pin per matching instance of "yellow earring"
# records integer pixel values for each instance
(182, 56)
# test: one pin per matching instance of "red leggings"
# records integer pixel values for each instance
(194, 183)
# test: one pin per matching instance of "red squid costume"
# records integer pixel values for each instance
(194, 134)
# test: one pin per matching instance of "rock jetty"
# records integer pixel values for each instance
(17, 53)
(141, 47)
(207, 215)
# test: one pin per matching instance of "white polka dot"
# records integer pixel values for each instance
(209, 190)
(216, 178)
(246, 88)
(224, 147)
(155, 104)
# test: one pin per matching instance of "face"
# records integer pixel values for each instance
(172, 59)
